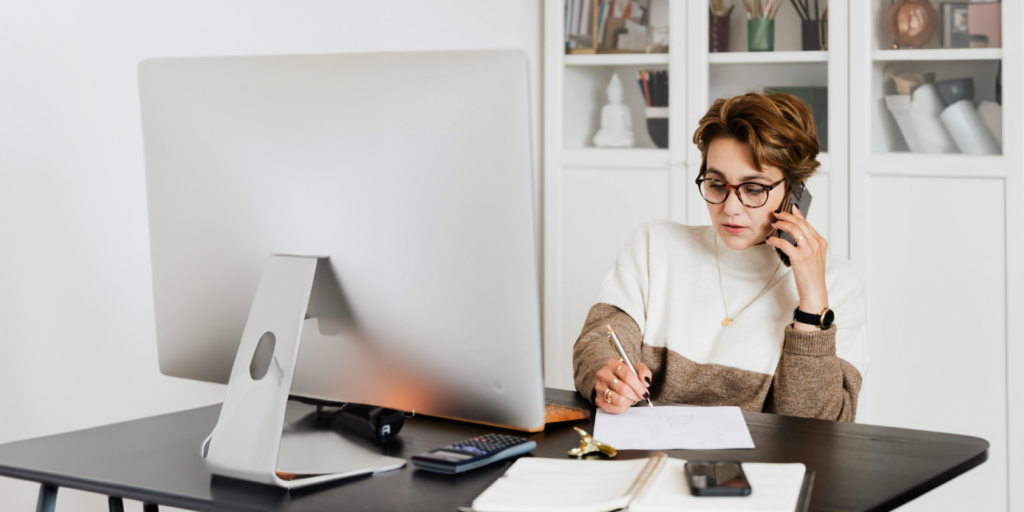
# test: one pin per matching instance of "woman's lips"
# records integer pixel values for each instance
(734, 229)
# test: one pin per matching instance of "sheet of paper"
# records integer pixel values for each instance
(674, 428)
(773, 488)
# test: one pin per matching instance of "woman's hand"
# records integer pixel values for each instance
(807, 259)
(626, 388)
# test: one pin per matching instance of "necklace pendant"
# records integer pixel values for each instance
(727, 321)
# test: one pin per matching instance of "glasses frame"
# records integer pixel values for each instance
(729, 188)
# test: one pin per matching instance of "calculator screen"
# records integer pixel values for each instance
(452, 456)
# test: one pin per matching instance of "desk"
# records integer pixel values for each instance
(156, 460)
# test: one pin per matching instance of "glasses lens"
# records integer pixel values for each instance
(753, 195)
(714, 191)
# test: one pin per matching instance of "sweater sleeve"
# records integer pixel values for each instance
(592, 350)
(812, 381)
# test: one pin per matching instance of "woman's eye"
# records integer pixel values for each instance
(716, 185)
(753, 190)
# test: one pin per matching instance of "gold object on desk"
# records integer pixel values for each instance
(590, 445)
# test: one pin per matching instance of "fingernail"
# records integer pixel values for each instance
(648, 379)
(779, 210)
(646, 395)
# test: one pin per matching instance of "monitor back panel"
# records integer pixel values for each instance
(411, 171)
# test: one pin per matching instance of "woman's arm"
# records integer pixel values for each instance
(811, 381)
(592, 351)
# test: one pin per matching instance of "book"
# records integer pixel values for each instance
(955, 32)
(654, 484)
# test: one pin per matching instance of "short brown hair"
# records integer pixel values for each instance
(778, 127)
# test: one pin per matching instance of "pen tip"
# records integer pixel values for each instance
(649, 404)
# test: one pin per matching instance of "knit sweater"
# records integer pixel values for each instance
(664, 300)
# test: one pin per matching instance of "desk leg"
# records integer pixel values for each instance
(150, 507)
(47, 498)
(116, 504)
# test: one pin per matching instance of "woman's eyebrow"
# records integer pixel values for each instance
(748, 177)
(757, 176)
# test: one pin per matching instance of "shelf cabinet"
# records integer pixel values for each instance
(939, 239)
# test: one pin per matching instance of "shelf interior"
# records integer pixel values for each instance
(584, 96)
(886, 135)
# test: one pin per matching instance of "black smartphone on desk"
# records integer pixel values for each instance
(801, 198)
(717, 478)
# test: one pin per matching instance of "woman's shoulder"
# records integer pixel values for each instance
(666, 231)
(662, 238)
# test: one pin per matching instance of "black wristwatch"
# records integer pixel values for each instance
(824, 320)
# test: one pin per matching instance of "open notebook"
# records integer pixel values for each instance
(654, 484)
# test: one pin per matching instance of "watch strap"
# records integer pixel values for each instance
(810, 318)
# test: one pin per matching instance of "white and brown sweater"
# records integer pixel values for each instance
(664, 301)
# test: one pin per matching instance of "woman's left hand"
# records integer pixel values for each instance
(807, 259)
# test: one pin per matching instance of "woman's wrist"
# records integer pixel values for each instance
(813, 304)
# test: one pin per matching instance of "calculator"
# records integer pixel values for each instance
(473, 453)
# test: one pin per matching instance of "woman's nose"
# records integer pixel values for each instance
(733, 205)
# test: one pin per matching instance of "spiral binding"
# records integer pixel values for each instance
(650, 470)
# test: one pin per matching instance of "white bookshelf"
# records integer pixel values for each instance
(781, 57)
(932, 54)
(618, 59)
(919, 219)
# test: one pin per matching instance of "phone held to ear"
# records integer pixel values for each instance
(801, 197)
(717, 478)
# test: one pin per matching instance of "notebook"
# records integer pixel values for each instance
(653, 484)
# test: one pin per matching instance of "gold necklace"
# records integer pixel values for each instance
(728, 319)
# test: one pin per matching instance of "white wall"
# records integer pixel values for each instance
(76, 321)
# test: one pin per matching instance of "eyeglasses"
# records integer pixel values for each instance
(752, 195)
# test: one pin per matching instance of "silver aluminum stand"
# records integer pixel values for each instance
(251, 441)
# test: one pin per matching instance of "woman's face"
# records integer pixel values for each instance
(738, 225)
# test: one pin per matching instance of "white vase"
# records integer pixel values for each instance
(931, 134)
(968, 130)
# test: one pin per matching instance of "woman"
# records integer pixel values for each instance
(708, 314)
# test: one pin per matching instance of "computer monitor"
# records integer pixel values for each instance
(410, 171)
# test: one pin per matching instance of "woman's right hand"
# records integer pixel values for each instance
(626, 388)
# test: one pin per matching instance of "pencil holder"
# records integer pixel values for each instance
(760, 35)
(657, 125)
(718, 33)
(810, 34)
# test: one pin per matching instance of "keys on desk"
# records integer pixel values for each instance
(473, 453)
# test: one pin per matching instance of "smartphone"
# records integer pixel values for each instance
(801, 197)
(717, 478)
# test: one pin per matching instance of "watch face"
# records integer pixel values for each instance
(827, 319)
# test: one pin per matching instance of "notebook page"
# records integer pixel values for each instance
(561, 485)
(774, 488)
(674, 428)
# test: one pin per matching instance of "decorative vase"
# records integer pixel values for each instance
(912, 22)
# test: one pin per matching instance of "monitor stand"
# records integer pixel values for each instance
(251, 440)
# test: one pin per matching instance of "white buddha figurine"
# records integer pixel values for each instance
(616, 120)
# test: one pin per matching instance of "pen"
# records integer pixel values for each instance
(614, 340)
